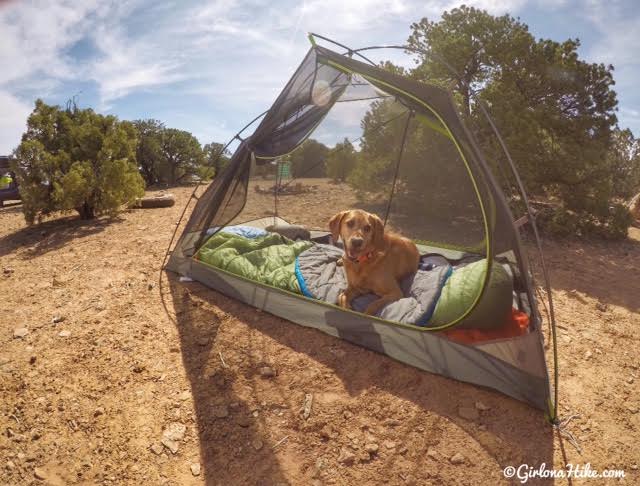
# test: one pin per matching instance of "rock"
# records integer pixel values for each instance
(57, 319)
(306, 406)
(64, 334)
(221, 411)
(267, 372)
(602, 307)
(7, 270)
(482, 407)
(39, 473)
(391, 422)
(432, 453)
(630, 380)
(319, 466)
(457, 458)
(184, 395)
(175, 431)
(20, 332)
(244, 421)
(327, 433)
(371, 448)
(32, 359)
(632, 408)
(151, 286)
(389, 444)
(11, 465)
(195, 468)
(468, 413)
(172, 445)
(156, 449)
(35, 434)
(257, 444)
(346, 457)
(588, 355)
(98, 411)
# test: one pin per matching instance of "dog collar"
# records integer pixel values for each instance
(361, 258)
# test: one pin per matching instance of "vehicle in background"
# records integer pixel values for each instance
(8, 183)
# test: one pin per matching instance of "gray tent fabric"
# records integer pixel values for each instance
(514, 366)
(321, 278)
(427, 351)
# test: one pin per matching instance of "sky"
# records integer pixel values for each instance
(209, 67)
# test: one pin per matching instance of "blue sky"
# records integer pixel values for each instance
(210, 66)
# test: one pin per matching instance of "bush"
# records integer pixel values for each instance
(565, 223)
(76, 160)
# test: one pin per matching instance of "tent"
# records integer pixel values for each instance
(421, 170)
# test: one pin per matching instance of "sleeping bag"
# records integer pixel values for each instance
(268, 259)
(321, 278)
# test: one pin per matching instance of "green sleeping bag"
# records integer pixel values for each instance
(461, 290)
(267, 259)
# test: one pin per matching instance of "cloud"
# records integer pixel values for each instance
(126, 64)
(35, 35)
(207, 66)
(13, 121)
(619, 27)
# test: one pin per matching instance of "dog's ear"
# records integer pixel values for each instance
(334, 225)
(377, 228)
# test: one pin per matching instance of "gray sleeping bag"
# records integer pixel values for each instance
(321, 278)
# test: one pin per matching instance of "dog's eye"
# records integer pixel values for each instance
(367, 228)
(350, 223)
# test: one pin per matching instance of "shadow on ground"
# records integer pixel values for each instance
(608, 269)
(512, 434)
(51, 235)
(213, 397)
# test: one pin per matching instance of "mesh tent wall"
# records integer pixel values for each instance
(515, 366)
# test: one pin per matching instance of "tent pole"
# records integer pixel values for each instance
(312, 36)
(175, 231)
(545, 273)
(518, 181)
(395, 175)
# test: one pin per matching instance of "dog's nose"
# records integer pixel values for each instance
(357, 242)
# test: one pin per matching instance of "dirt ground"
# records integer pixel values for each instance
(101, 385)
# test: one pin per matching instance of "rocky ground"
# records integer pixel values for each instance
(107, 379)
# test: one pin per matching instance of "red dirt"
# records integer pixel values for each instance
(87, 408)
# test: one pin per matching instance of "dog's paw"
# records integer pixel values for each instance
(372, 309)
(342, 300)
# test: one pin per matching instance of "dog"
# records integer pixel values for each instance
(374, 260)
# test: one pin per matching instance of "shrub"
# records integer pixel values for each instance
(564, 223)
(76, 160)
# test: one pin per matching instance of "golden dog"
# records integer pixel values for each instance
(374, 260)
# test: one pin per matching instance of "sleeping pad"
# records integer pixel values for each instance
(268, 259)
